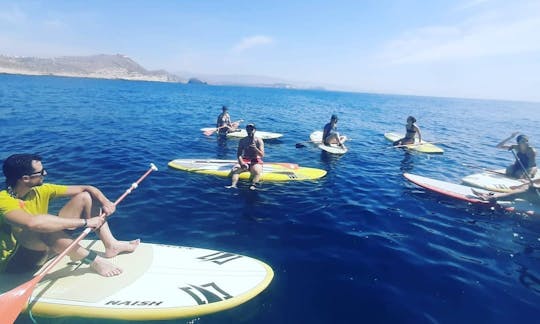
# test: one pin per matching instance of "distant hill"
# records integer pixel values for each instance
(251, 81)
(96, 66)
(119, 66)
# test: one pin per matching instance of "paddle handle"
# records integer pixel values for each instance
(87, 230)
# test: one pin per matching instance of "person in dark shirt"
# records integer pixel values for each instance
(330, 133)
(525, 157)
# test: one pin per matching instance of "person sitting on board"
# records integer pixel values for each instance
(224, 124)
(250, 153)
(28, 233)
(411, 130)
(526, 157)
(330, 134)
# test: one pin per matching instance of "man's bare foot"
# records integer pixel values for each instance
(105, 268)
(121, 247)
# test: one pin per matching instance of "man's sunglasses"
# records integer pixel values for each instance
(38, 173)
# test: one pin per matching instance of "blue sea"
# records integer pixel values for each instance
(361, 245)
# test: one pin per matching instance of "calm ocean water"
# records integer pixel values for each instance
(359, 246)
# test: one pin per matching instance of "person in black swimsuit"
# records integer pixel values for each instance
(411, 130)
(526, 157)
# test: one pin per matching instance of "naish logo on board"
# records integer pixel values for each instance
(133, 303)
(220, 257)
(207, 293)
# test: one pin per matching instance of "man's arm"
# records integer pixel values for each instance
(418, 133)
(260, 149)
(240, 152)
(107, 206)
(502, 145)
(48, 223)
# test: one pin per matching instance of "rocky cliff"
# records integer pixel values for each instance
(95, 66)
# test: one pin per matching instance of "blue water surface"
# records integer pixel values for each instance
(361, 245)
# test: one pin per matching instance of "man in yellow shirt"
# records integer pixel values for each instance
(28, 233)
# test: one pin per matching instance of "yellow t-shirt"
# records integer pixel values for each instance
(35, 202)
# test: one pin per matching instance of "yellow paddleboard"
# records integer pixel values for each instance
(424, 147)
(271, 171)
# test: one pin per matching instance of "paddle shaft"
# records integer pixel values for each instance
(483, 169)
(24, 290)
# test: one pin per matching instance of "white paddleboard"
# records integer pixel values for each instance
(241, 133)
(465, 193)
(495, 180)
(158, 282)
(261, 134)
(449, 189)
(316, 137)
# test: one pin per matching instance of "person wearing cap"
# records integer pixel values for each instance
(250, 153)
(223, 123)
(525, 157)
(330, 133)
(411, 130)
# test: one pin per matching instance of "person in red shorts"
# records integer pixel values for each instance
(250, 153)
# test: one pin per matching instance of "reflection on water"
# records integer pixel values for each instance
(330, 160)
(407, 162)
(223, 147)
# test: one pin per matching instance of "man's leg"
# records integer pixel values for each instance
(256, 173)
(35, 247)
(83, 206)
(235, 175)
(59, 241)
(334, 139)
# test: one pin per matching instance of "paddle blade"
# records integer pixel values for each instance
(12, 302)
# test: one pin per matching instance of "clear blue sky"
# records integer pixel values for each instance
(462, 48)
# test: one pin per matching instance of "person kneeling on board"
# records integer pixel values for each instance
(330, 133)
(411, 130)
(28, 233)
(223, 123)
(525, 157)
(250, 153)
